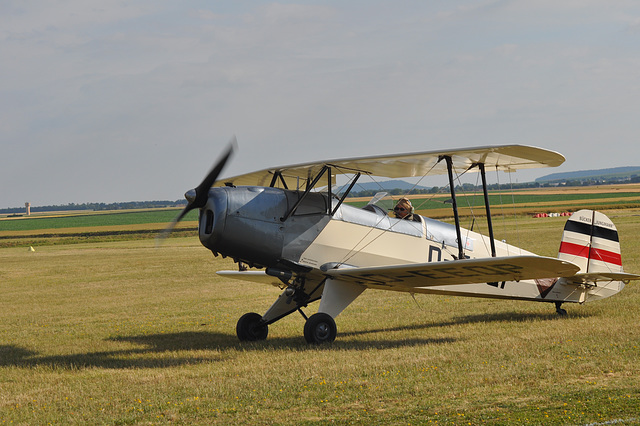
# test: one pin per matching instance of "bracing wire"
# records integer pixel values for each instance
(502, 214)
(484, 240)
(355, 250)
(515, 213)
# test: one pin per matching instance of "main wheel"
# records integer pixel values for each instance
(250, 328)
(320, 328)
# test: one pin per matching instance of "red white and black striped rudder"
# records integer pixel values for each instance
(590, 240)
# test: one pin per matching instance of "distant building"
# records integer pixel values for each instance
(28, 207)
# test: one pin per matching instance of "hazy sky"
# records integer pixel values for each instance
(122, 101)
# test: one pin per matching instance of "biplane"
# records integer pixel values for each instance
(290, 227)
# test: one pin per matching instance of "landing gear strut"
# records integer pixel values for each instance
(319, 328)
(559, 310)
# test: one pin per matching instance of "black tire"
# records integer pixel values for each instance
(320, 328)
(250, 328)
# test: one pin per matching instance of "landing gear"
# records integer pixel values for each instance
(320, 328)
(559, 310)
(251, 328)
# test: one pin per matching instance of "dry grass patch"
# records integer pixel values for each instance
(121, 332)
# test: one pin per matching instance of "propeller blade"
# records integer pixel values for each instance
(202, 190)
(169, 229)
(198, 197)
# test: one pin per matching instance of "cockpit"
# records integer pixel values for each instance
(375, 216)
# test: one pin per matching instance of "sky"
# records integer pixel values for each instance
(135, 100)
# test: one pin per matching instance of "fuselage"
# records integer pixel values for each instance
(255, 225)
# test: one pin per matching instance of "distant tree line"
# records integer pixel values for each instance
(598, 181)
(396, 191)
(129, 205)
(467, 187)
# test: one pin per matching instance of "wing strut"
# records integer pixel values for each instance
(488, 209)
(353, 182)
(326, 169)
(454, 203)
(278, 175)
(309, 188)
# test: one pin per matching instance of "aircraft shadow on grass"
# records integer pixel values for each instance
(168, 349)
(511, 317)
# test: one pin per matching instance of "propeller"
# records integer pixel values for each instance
(197, 197)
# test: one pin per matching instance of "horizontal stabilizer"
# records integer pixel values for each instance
(467, 271)
(596, 277)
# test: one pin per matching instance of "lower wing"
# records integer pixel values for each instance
(260, 277)
(467, 271)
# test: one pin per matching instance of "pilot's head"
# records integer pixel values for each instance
(403, 208)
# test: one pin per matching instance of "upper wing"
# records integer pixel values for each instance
(505, 158)
(468, 271)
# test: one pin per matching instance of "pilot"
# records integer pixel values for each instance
(403, 209)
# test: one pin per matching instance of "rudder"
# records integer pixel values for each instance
(590, 240)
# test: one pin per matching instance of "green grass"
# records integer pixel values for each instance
(91, 220)
(497, 200)
(123, 333)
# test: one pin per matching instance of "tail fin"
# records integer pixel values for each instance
(590, 240)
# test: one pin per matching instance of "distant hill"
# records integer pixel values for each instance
(386, 185)
(394, 187)
(619, 173)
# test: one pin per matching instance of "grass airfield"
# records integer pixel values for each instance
(121, 332)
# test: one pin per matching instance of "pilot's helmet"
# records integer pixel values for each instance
(406, 204)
